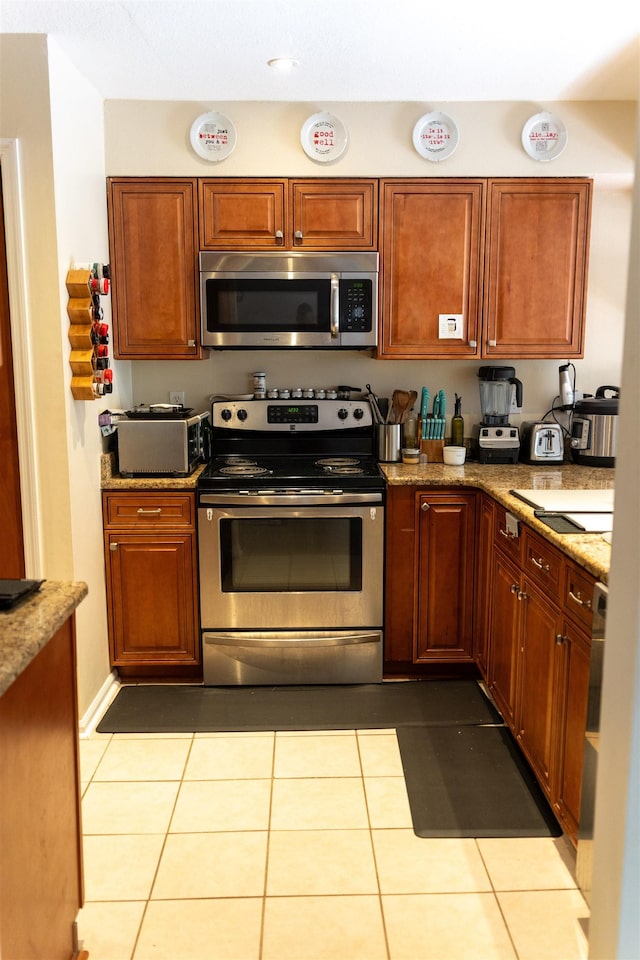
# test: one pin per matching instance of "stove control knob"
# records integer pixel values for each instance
(225, 414)
(342, 413)
(358, 413)
(242, 414)
(498, 433)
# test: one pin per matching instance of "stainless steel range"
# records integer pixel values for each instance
(291, 544)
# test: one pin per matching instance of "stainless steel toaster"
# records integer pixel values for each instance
(541, 442)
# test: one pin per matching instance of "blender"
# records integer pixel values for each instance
(495, 439)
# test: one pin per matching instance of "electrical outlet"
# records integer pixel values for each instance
(450, 326)
(176, 396)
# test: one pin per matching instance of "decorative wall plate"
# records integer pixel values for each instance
(544, 136)
(324, 137)
(435, 136)
(213, 136)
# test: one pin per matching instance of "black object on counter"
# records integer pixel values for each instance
(13, 592)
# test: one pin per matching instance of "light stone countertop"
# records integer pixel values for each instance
(29, 626)
(589, 550)
(109, 480)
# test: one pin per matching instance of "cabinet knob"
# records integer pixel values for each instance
(561, 638)
(279, 236)
(491, 343)
(514, 588)
(425, 506)
(298, 236)
(191, 343)
(522, 595)
(113, 546)
(473, 343)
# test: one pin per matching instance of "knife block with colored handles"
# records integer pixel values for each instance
(433, 450)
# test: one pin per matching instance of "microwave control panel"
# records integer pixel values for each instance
(356, 314)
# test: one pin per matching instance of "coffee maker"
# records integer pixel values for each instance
(495, 439)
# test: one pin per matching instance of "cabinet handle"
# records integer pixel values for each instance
(142, 512)
(113, 546)
(279, 236)
(561, 638)
(473, 344)
(298, 236)
(191, 343)
(540, 564)
(578, 599)
(425, 506)
(514, 588)
(522, 595)
(491, 343)
(506, 534)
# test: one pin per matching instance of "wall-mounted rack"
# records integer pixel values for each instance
(88, 333)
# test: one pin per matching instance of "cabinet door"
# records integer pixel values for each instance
(432, 246)
(572, 690)
(540, 627)
(337, 215)
(484, 550)
(504, 635)
(152, 597)
(536, 268)
(445, 577)
(243, 214)
(153, 235)
(399, 574)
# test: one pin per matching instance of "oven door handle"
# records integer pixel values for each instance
(242, 640)
(272, 499)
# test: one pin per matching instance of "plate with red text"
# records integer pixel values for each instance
(544, 136)
(324, 137)
(213, 136)
(435, 136)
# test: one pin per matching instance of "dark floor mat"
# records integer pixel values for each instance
(176, 708)
(466, 781)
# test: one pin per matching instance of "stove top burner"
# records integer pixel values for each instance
(337, 462)
(243, 470)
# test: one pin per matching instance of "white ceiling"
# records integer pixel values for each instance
(354, 50)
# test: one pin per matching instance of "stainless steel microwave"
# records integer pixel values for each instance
(289, 299)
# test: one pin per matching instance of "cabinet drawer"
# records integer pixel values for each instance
(148, 509)
(505, 540)
(578, 593)
(543, 563)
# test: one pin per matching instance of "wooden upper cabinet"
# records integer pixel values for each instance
(153, 236)
(276, 214)
(431, 263)
(243, 213)
(536, 268)
(335, 214)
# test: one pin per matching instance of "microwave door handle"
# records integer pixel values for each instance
(335, 306)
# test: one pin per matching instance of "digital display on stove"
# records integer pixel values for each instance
(292, 413)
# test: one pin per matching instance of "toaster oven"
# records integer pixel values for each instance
(154, 445)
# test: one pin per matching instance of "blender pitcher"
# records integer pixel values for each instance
(495, 393)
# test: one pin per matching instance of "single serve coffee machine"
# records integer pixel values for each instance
(495, 439)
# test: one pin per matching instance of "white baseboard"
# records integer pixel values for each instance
(106, 693)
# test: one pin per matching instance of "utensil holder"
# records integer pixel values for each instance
(389, 442)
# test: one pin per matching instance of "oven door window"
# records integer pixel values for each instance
(259, 306)
(276, 555)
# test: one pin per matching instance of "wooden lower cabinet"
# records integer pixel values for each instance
(446, 541)
(538, 667)
(152, 595)
(429, 578)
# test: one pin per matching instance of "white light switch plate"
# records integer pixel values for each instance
(450, 326)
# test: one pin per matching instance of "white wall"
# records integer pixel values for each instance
(57, 119)
(152, 138)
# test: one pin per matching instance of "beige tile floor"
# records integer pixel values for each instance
(298, 846)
